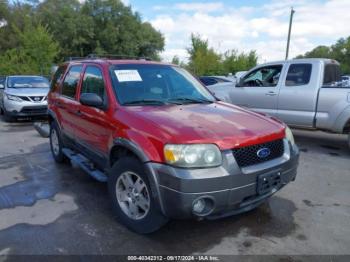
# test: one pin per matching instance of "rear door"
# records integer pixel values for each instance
(66, 103)
(297, 101)
(95, 128)
(259, 89)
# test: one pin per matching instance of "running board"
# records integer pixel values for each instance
(85, 164)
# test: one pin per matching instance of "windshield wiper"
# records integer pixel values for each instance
(145, 102)
(191, 100)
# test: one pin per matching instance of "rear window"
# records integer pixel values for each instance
(298, 74)
(332, 74)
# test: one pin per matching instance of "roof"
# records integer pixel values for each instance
(117, 61)
(25, 76)
(302, 60)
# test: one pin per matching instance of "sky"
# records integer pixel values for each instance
(246, 25)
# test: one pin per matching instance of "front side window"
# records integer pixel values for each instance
(71, 81)
(27, 82)
(157, 84)
(93, 82)
(265, 76)
(298, 74)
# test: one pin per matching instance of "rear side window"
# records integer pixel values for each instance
(57, 77)
(332, 74)
(93, 82)
(71, 81)
(298, 74)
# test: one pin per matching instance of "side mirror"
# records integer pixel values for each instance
(91, 99)
(2, 86)
(239, 82)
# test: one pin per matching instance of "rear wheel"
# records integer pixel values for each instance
(131, 197)
(56, 144)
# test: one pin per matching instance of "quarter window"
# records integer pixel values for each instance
(56, 77)
(93, 82)
(71, 81)
(298, 74)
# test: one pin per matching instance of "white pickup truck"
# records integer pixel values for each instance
(304, 93)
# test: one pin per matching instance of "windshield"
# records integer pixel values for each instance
(27, 82)
(157, 85)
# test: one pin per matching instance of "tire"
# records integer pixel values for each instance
(145, 220)
(349, 140)
(56, 144)
(7, 117)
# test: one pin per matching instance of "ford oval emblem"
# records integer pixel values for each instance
(263, 152)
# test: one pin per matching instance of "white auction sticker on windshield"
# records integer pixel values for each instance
(128, 75)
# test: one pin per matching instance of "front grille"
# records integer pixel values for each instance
(24, 98)
(34, 110)
(36, 98)
(247, 156)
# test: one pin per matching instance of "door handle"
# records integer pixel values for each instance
(60, 105)
(270, 93)
(78, 113)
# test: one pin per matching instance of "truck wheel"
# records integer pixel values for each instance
(132, 200)
(56, 143)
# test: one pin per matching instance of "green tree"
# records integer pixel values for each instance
(119, 30)
(234, 61)
(203, 60)
(339, 51)
(15, 16)
(175, 60)
(35, 53)
(72, 30)
(318, 52)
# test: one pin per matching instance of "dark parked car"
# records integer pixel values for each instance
(212, 80)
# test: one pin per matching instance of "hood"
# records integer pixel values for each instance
(219, 123)
(27, 91)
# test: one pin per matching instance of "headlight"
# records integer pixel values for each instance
(13, 98)
(289, 136)
(196, 155)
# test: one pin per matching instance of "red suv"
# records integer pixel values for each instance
(165, 145)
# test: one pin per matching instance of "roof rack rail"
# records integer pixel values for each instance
(108, 56)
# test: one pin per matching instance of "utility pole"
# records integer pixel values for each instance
(292, 11)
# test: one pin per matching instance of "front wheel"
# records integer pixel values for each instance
(131, 197)
(7, 117)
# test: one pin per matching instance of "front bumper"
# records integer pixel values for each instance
(231, 189)
(25, 108)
